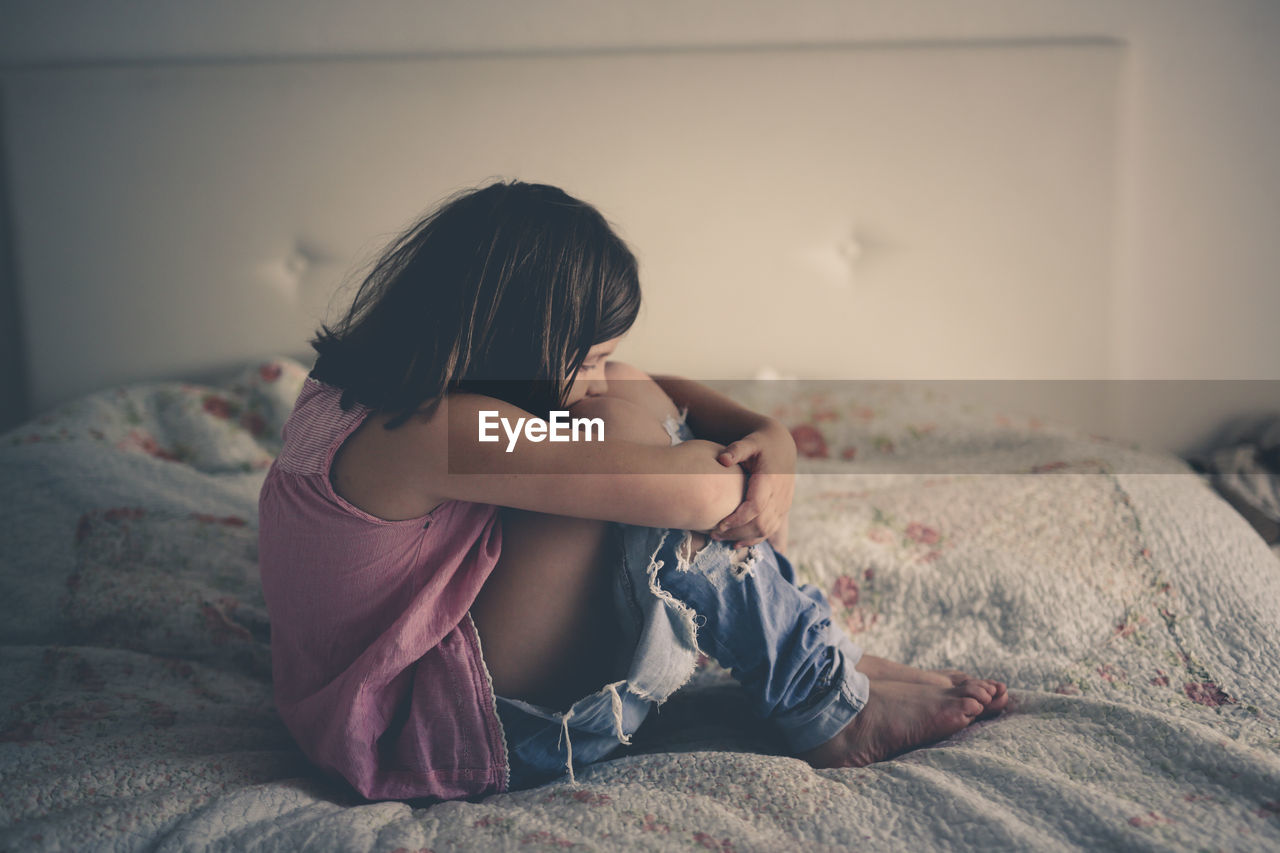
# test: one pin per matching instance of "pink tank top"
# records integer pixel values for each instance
(376, 664)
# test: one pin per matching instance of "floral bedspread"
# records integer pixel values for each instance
(1134, 614)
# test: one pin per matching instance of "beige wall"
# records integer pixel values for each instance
(1197, 292)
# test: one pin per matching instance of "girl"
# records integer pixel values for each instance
(454, 616)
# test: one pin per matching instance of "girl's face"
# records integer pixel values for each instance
(590, 381)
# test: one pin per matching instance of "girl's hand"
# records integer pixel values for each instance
(768, 455)
(779, 540)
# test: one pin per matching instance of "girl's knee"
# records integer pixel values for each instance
(623, 419)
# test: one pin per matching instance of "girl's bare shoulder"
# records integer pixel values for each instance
(369, 470)
(394, 474)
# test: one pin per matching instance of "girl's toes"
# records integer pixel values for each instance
(999, 700)
(973, 689)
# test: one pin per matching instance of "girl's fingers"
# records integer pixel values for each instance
(754, 519)
(743, 515)
(743, 448)
(742, 531)
(763, 498)
(753, 532)
(757, 517)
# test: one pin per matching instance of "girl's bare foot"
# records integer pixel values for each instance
(900, 716)
(882, 669)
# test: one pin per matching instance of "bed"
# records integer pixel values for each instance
(1134, 614)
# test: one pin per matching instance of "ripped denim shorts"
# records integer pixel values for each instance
(743, 608)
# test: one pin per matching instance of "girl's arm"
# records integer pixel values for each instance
(684, 486)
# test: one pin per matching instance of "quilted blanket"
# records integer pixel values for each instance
(1134, 614)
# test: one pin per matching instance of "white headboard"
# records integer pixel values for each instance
(882, 212)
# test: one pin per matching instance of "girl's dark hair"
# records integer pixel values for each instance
(501, 291)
